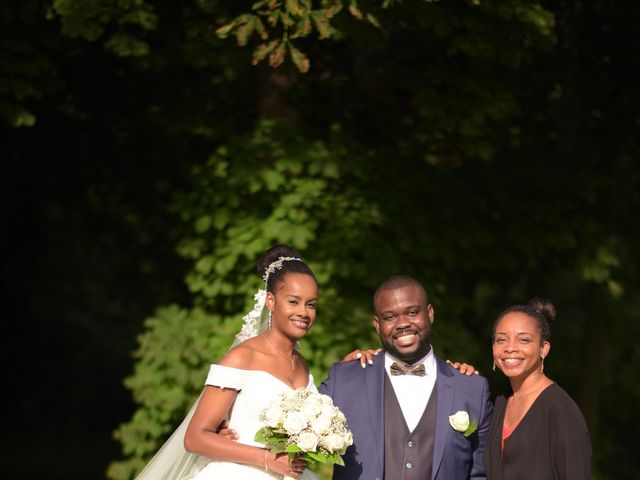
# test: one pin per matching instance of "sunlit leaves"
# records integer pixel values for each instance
(16, 116)
(269, 186)
(287, 21)
(354, 10)
(117, 21)
(263, 50)
(600, 269)
(173, 356)
(299, 59)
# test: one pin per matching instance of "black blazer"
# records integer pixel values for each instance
(551, 442)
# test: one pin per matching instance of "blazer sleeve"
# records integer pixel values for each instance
(484, 423)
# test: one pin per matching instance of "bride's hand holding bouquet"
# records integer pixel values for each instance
(305, 425)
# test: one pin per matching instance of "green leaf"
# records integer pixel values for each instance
(273, 179)
(278, 448)
(294, 7)
(276, 57)
(221, 218)
(355, 10)
(300, 60)
(23, 119)
(373, 20)
(223, 31)
(472, 428)
(260, 436)
(205, 264)
(318, 457)
(263, 50)
(203, 224)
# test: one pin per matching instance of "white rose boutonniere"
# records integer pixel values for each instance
(461, 423)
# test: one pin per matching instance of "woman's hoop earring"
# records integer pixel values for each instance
(494, 366)
(541, 364)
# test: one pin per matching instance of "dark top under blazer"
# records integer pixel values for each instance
(551, 442)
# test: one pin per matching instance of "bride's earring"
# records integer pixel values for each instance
(269, 320)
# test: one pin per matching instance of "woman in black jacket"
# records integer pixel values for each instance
(538, 432)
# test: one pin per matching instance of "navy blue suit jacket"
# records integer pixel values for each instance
(359, 393)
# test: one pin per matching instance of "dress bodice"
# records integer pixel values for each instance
(256, 388)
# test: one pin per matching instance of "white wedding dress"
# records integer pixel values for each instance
(256, 389)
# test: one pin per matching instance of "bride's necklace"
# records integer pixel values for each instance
(275, 349)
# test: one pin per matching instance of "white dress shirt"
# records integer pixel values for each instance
(412, 391)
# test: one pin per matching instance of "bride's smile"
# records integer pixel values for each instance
(293, 305)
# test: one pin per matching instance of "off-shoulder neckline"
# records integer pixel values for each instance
(246, 370)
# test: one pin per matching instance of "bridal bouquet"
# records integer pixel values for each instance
(305, 424)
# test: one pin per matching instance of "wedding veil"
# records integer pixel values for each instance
(172, 461)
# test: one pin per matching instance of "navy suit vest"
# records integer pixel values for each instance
(407, 455)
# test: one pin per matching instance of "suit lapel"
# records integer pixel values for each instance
(445, 389)
(374, 376)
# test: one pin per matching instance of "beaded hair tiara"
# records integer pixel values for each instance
(277, 265)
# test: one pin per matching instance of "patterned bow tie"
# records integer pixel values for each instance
(402, 369)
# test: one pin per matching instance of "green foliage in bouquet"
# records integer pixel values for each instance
(276, 439)
(305, 424)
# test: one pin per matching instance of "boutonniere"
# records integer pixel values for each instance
(461, 423)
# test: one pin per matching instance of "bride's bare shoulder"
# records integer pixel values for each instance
(244, 355)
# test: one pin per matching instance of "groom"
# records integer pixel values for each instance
(398, 409)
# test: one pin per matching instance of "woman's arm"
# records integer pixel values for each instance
(366, 357)
(202, 438)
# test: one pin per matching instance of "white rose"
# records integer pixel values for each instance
(348, 438)
(273, 416)
(321, 424)
(312, 406)
(340, 416)
(307, 441)
(328, 411)
(459, 421)
(334, 442)
(326, 399)
(294, 422)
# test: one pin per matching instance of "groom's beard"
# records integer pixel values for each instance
(408, 357)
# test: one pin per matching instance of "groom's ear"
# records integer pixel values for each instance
(431, 314)
(376, 324)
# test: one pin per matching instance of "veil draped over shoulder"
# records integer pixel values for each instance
(172, 461)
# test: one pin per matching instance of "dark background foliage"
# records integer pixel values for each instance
(488, 148)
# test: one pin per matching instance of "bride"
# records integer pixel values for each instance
(262, 363)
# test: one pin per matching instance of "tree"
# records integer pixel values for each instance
(458, 142)
(321, 181)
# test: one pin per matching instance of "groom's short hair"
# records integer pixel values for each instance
(398, 281)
